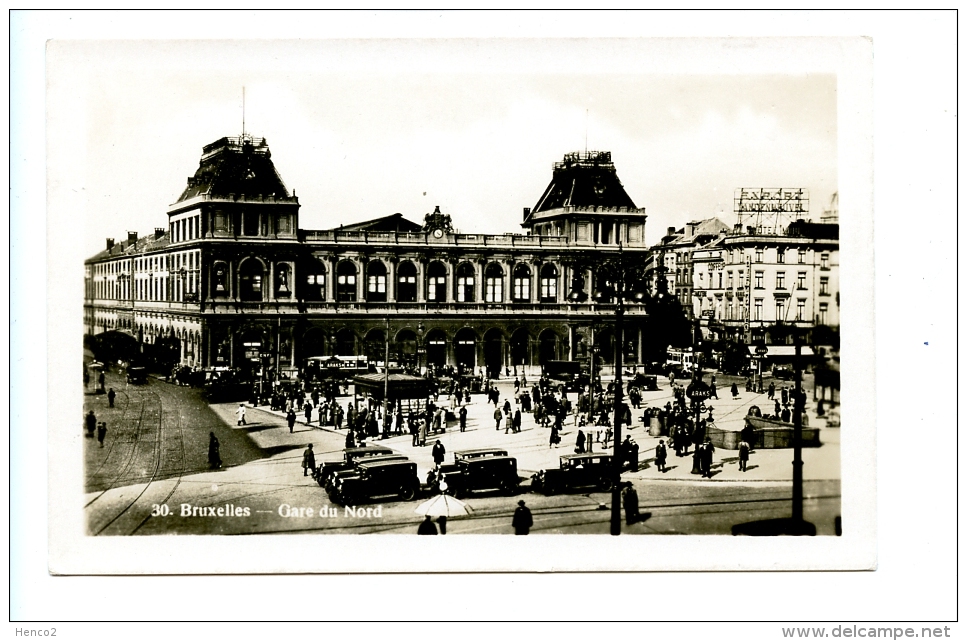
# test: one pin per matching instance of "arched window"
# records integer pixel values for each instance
(315, 281)
(548, 283)
(346, 282)
(522, 283)
(406, 282)
(465, 283)
(494, 283)
(376, 282)
(251, 275)
(436, 282)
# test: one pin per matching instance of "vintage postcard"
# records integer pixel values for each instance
(320, 297)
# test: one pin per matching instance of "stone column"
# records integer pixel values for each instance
(421, 281)
(391, 283)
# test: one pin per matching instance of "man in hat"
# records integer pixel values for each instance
(439, 452)
(240, 413)
(308, 461)
(661, 454)
(523, 521)
(630, 498)
(427, 526)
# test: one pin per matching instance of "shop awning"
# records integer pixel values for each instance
(786, 351)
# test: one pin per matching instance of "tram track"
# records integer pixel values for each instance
(122, 471)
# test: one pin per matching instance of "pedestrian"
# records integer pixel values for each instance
(579, 444)
(90, 423)
(101, 432)
(439, 453)
(240, 413)
(785, 416)
(735, 391)
(350, 440)
(743, 455)
(772, 391)
(778, 409)
(424, 429)
(442, 520)
(555, 436)
(671, 379)
(100, 381)
(707, 450)
(633, 454)
(427, 526)
(516, 385)
(498, 416)
(308, 461)
(290, 419)
(309, 413)
(630, 499)
(110, 397)
(463, 419)
(712, 392)
(214, 452)
(517, 420)
(523, 521)
(339, 416)
(784, 393)
(661, 455)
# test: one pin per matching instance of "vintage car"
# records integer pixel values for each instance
(482, 452)
(332, 476)
(137, 375)
(378, 479)
(644, 382)
(482, 473)
(576, 471)
(350, 456)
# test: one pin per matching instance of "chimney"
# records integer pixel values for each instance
(527, 212)
(132, 237)
(110, 243)
(159, 232)
(671, 231)
(690, 229)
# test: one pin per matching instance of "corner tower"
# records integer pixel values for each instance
(586, 202)
(235, 193)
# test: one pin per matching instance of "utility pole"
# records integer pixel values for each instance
(617, 459)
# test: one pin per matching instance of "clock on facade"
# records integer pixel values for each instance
(438, 233)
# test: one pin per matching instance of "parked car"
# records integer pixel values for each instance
(783, 373)
(322, 474)
(645, 382)
(576, 471)
(378, 479)
(137, 375)
(332, 477)
(460, 455)
(481, 473)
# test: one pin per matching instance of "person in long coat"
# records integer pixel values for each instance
(309, 413)
(579, 444)
(214, 454)
(463, 419)
(630, 499)
(290, 419)
(439, 452)
(308, 461)
(523, 520)
(424, 429)
(350, 439)
(101, 433)
(707, 450)
(90, 423)
(517, 420)
(743, 455)
(735, 390)
(498, 417)
(661, 455)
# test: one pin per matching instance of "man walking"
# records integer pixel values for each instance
(439, 453)
(90, 423)
(308, 413)
(630, 499)
(240, 413)
(743, 455)
(498, 415)
(463, 419)
(523, 521)
(214, 452)
(290, 419)
(661, 455)
(110, 397)
(707, 450)
(101, 432)
(308, 461)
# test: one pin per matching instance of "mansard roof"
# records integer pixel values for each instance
(393, 222)
(236, 166)
(584, 180)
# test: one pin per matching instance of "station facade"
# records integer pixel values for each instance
(234, 281)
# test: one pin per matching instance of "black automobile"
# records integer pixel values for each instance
(478, 453)
(576, 471)
(137, 375)
(482, 473)
(323, 473)
(378, 479)
(332, 477)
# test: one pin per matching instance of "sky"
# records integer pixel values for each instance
(362, 129)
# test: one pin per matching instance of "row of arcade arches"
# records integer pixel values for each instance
(494, 349)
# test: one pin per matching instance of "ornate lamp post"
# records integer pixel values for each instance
(698, 392)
